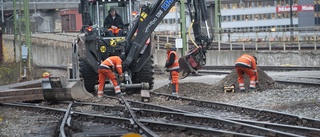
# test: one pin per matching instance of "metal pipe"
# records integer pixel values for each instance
(144, 86)
(24, 71)
(2, 17)
(98, 16)
(130, 9)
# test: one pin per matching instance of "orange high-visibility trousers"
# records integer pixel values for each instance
(107, 73)
(251, 74)
(115, 31)
(175, 80)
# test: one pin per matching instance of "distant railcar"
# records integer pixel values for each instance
(71, 20)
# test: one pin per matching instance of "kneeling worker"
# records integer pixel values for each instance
(105, 71)
(247, 64)
(172, 66)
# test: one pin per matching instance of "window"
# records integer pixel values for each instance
(256, 16)
(225, 6)
(270, 3)
(235, 5)
(259, 4)
(250, 4)
(273, 16)
(248, 17)
(243, 17)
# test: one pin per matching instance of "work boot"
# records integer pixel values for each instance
(174, 93)
(119, 94)
(251, 89)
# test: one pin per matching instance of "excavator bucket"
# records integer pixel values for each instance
(185, 68)
(62, 89)
(191, 62)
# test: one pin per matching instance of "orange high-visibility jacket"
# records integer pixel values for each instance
(247, 61)
(114, 62)
(175, 64)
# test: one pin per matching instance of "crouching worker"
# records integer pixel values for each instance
(172, 66)
(106, 71)
(247, 64)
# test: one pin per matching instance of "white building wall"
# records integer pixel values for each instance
(245, 11)
(256, 23)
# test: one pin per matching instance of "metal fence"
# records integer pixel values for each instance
(306, 38)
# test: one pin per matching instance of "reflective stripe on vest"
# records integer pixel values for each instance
(243, 63)
(110, 62)
(106, 66)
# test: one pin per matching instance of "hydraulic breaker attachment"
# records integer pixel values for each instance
(62, 89)
(191, 62)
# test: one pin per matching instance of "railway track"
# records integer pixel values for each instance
(154, 118)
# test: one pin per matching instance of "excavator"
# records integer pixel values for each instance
(92, 46)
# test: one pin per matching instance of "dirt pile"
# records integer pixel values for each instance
(265, 82)
(198, 88)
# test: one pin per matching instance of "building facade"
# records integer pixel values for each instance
(243, 16)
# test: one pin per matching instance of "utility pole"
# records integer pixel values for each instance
(291, 21)
(183, 27)
(27, 33)
(15, 27)
(25, 57)
(1, 33)
(217, 21)
(2, 16)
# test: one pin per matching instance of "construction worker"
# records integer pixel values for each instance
(114, 24)
(46, 75)
(247, 64)
(172, 66)
(105, 70)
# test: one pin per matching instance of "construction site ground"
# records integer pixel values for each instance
(298, 100)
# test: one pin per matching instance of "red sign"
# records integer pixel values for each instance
(295, 8)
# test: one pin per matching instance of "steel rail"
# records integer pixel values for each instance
(128, 122)
(261, 114)
(64, 120)
(175, 114)
(145, 130)
(306, 131)
(216, 122)
(298, 82)
(262, 67)
(198, 131)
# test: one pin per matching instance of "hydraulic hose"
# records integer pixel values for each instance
(189, 33)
